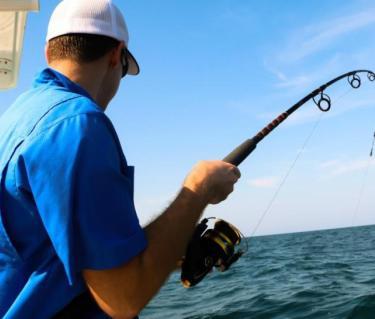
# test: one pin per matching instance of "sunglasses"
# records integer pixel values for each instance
(124, 62)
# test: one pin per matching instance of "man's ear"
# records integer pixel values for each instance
(46, 55)
(115, 54)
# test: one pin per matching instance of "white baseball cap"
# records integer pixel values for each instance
(100, 17)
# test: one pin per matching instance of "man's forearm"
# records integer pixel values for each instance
(124, 291)
(173, 228)
(168, 236)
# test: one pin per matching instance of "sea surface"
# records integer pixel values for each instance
(324, 274)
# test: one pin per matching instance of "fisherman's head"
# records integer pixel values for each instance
(91, 36)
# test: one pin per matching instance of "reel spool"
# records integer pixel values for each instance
(209, 248)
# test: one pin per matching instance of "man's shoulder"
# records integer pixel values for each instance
(50, 116)
(39, 111)
(68, 118)
(64, 106)
(68, 130)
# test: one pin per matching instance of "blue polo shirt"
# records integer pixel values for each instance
(66, 198)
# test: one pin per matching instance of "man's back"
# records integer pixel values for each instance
(49, 138)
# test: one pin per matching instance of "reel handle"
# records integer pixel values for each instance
(239, 154)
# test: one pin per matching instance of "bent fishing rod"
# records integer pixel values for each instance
(217, 246)
(320, 98)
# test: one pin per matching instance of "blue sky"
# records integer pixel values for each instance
(215, 72)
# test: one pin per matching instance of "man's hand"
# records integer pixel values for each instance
(212, 180)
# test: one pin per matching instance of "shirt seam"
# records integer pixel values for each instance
(48, 111)
(54, 124)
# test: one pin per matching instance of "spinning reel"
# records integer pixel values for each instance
(208, 248)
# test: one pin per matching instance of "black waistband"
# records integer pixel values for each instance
(81, 307)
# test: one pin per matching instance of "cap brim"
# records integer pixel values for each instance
(133, 64)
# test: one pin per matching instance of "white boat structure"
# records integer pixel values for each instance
(13, 15)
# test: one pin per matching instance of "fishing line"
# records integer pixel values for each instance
(268, 208)
(364, 180)
(372, 148)
(286, 176)
(365, 171)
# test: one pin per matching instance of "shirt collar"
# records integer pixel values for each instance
(52, 77)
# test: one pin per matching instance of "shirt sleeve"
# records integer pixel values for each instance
(83, 191)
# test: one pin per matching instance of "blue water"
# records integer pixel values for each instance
(322, 274)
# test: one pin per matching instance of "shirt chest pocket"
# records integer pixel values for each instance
(8, 254)
(128, 172)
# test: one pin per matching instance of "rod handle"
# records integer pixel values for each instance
(238, 155)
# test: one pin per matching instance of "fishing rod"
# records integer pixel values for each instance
(216, 246)
(373, 143)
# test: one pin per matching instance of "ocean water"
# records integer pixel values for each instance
(324, 274)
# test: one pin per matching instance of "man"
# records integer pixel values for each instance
(67, 219)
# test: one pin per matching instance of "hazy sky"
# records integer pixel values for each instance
(213, 73)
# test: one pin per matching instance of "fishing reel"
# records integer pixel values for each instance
(208, 248)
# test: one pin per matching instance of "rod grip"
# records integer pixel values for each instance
(238, 155)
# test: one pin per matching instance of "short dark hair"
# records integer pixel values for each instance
(80, 47)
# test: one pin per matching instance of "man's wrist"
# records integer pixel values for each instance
(193, 198)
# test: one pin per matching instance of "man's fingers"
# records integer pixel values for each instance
(223, 194)
(236, 172)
